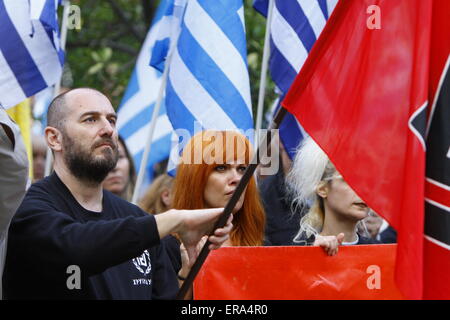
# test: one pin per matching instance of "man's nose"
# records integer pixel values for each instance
(107, 128)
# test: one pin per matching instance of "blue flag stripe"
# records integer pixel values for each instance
(131, 90)
(178, 109)
(195, 98)
(161, 149)
(219, 47)
(208, 79)
(136, 109)
(283, 73)
(324, 7)
(19, 59)
(140, 120)
(227, 97)
(293, 14)
(295, 27)
(228, 22)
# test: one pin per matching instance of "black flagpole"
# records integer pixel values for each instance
(279, 116)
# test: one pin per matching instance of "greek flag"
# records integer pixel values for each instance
(136, 109)
(208, 83)
(295, 27)
(30, 57)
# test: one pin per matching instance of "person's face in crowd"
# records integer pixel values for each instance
(340, 199)
(89, 137)
(166, 197)
(117, 180)
(39, 155)
(221, 184)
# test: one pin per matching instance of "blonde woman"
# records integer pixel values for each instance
(158, 197)
(335, 209)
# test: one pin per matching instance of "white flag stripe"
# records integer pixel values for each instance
(142, 99)
(437, 204)
(136, 110)
(39, 46)
(241, 16)
(46, 63)
(36, 7)
(331, 4)
(227, 57)
(131, 109)
(196, 99)
(9, 84)
(316, 18)
(136, 142)
(148, 81)
(437, 242)
(164, 27)
(285, 38)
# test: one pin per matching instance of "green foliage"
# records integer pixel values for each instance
(256, 29)
(102, 54)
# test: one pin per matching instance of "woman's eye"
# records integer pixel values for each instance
(220, 168)
(242, 169)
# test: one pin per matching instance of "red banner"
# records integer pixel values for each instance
(294, 273)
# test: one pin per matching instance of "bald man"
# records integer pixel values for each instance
(70, 239)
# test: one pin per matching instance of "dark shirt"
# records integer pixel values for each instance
(172, 246)
(389, 235)
(282, 223)
(117, 250)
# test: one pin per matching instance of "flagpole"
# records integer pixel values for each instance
(187, 284)
(149, 141)
(65, 18)
(262, 82)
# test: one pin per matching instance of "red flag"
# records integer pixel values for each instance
(364, 272)
(363, 95)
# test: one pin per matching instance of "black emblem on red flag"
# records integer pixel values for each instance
(437, 209)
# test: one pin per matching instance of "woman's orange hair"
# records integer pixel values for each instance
(201, 155)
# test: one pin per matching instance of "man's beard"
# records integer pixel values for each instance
(83, 165)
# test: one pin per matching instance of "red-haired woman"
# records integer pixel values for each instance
(211, 166)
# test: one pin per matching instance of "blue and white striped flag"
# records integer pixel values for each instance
(295, 27)
(208, 83)
(136, 109)
(30, 56)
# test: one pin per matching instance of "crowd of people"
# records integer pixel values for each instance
(80, 218)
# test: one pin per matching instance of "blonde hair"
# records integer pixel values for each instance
(310, 169)
(151, 202)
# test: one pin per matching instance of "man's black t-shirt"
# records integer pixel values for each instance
(59, 250)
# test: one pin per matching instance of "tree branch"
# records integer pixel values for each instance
(129, 24)
(105, 43)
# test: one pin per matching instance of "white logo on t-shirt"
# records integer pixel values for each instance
(142, 263)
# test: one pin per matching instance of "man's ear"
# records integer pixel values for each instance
(322, 189)
(54, 138)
